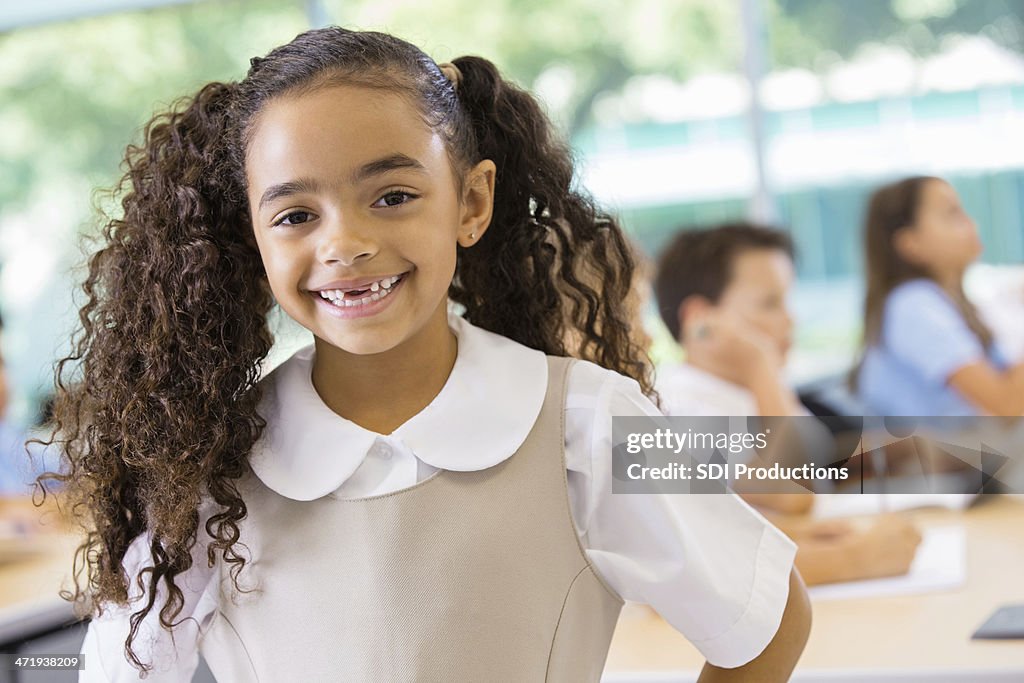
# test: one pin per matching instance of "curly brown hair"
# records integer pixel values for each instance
(157, 404)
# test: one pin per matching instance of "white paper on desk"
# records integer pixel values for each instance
(852, 504)
(939, 564)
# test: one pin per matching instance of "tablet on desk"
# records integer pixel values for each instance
(1006, 623)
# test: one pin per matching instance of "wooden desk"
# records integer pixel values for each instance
(857, 640)
(895, 638)
(29, 585)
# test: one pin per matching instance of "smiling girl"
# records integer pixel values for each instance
(423, 493)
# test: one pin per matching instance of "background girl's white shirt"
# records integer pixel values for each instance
(709, 564)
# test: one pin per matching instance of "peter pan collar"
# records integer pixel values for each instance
(481, 416)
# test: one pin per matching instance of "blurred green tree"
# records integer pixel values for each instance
(75, 93)
(804, 30)
(595, 46)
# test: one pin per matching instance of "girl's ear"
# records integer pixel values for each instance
(477, 202)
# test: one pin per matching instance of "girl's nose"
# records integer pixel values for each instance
(342, 244)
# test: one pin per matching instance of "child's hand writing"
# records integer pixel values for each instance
(886, 548)
(838, 550)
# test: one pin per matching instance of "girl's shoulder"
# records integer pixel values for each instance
(918, 291)
(600, 391)
(917, 299)
(587, 377)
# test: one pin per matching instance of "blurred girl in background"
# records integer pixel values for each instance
(926, 350)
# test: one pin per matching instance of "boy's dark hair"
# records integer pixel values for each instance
(156, 407)
(700, 262)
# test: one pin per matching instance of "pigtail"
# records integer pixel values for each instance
(552, 271)
(161, 411)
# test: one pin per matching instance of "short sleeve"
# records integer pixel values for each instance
(924, 330)
(174, 655)
(711, 565)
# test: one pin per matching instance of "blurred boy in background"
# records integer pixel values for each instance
(722, 293)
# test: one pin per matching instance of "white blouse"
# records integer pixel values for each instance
(711, 565)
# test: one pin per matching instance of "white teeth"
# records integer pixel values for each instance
(380, 289)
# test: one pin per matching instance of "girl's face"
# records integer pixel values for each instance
(757, 292)
(357, 214)
(943, 240)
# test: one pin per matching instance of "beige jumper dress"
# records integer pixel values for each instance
(466, 576)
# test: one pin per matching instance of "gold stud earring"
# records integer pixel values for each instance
(472, 235)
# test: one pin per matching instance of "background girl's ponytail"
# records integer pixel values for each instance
(162, 412)
(552, 272)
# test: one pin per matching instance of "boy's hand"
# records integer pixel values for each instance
(736, 349)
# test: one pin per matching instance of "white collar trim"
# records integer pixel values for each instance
(481, 416)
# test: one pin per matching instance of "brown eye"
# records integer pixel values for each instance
(395, 198)
(295, 218)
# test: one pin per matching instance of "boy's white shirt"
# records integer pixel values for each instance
(687, 390)
(711, 565)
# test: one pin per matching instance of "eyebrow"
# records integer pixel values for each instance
(392, 162)
(288, 189)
